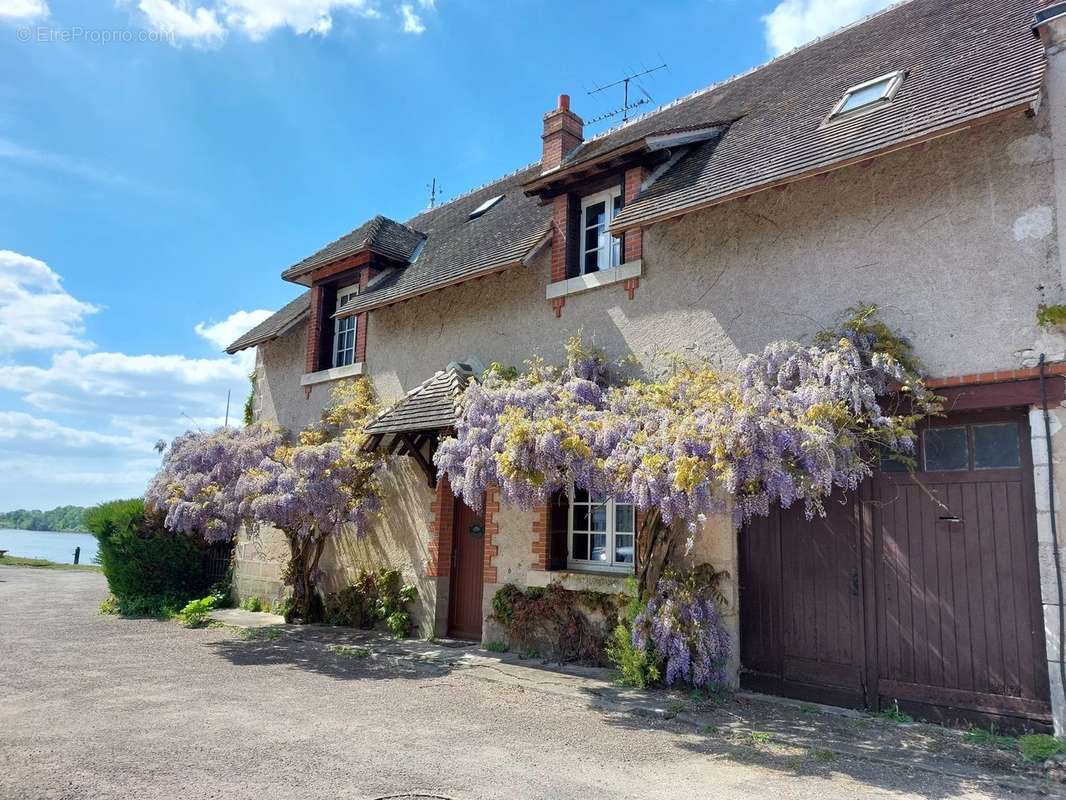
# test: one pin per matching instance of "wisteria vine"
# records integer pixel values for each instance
(793, 423)
(213, 483)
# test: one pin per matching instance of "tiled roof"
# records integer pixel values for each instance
(458, 247)
(379, 235)
(274, 326)
(965, 59)
(431, 405)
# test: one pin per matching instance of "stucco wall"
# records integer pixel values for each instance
(398, 538)
(514, 538)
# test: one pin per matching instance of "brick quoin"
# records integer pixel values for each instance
(314, 330)
(560, 230)
(360, 337)
(492, 527)
(541, 535)
(439, 564)
(634, 237)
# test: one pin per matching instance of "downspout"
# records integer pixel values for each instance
(1054, 526)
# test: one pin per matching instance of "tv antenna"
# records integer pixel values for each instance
(624, 83)
(434, 192)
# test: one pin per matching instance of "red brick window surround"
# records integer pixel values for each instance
(568, 248)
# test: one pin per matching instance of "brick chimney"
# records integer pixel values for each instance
(563, 131)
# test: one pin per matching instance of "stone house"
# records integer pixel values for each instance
(913, 160)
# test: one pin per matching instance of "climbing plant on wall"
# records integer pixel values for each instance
(310, 489)
(793, 423)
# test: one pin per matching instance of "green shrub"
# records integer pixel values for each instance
(252, 603)
(147, 568)
(497, 647)
(1040, 746)
(636, 666)
(195, 612)
(378, 596)
(154, 607)
(110, 605)
(283, 607)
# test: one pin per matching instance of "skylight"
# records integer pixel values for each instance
(481, 209)
(869, 95)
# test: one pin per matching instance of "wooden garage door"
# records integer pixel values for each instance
(923, 591)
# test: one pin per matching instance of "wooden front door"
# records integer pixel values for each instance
(922, 591)
(467, 577)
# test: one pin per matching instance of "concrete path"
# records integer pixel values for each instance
(102, 707)
(239, 618)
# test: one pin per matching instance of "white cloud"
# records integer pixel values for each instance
(19, 425)
(207, 22)
(412, 23)
(182, 21)
(223, 334)
(796, 22)
(78, 425)
(35, 311)
(22, 10)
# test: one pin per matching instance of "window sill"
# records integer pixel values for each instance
(577, 580)
(582, 283)
(334, 374)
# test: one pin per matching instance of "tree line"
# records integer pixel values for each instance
(64, 519)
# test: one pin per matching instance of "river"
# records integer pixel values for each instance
(58, 547)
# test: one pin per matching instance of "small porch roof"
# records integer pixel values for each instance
(432, 405)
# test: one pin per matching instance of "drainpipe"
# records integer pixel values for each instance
(1054, 527)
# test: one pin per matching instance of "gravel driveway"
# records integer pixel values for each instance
(102, 707)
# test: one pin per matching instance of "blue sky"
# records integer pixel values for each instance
(161, 161)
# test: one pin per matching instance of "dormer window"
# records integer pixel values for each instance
(344, 330)
(599, 249)
(868, 96)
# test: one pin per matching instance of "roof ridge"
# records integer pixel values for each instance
(733, 78)
(469, 192)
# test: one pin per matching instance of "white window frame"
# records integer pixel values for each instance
(892, 81)
(610, 564)
(342, 325)
(606, 245)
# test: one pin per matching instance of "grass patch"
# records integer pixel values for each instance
(709, 730)
(266, 634)
(809, 708)
(989, 738)
(1040, 746)
(497, 647)
(893, 714)
(142, 607)
(41, 563)
(677, 706)
(759, 737)
(349, 650)
(822, 755)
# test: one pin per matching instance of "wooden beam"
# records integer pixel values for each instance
(413, 450)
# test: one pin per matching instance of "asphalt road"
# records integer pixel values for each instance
(101, 707)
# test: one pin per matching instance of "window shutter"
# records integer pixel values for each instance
(573, 239)
(558, 529)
